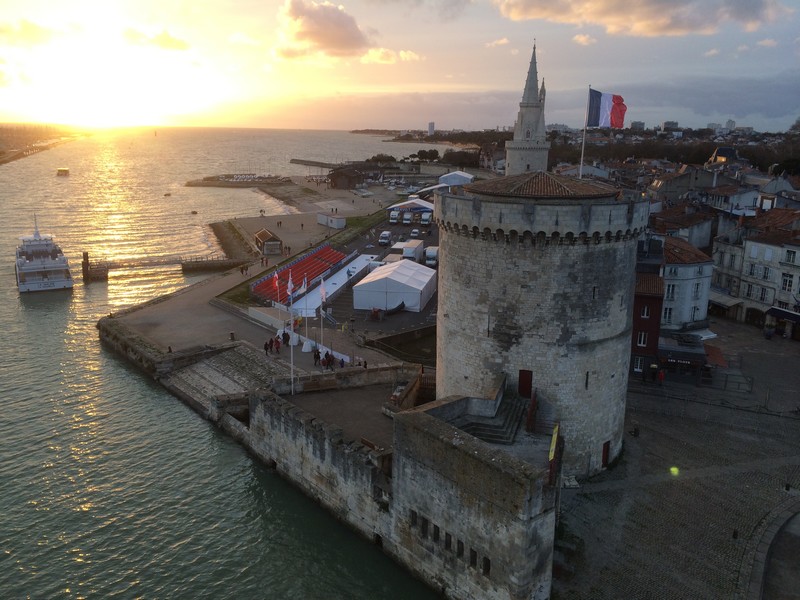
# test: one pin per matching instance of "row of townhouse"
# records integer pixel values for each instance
(750, 225)
(670, 314)
(757, 272)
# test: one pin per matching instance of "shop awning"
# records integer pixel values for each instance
(723, 299)
(783, 314)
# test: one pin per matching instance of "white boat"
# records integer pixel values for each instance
(40, 264)
(62, 171)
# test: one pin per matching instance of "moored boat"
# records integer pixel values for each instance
(62, 171)
(40, 264)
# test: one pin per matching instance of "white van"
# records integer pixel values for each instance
(426, 218)
(407, 217)
(394, 217)
(385, 238)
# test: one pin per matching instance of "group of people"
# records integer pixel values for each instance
(274, 344)
(326, 361)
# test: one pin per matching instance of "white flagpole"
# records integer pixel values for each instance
(322, 297)
(305, 310)
(585, 125)
(291, 338)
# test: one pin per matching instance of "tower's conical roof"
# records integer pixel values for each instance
(540, 184)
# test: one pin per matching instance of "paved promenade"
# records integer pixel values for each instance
(699, 497)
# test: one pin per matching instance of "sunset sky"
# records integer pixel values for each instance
(395, 63)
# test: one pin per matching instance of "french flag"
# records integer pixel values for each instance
(605, 110)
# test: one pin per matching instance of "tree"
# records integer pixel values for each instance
(382, 158)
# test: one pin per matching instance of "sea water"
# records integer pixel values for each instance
(109, 486)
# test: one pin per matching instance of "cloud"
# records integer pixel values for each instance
(410, 56)
(712, 52)
(648, 18)
(320, 28)
(24, 33)
(767, 43)
(162, 40)
(495, 43)
(242, 39)
(583, 39)
(445, 8)
(381, 56)
(773, 96)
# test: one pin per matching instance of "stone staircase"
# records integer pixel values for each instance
(500, 429)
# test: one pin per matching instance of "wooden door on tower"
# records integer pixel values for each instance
(525, 385)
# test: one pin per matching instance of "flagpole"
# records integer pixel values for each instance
(322, 297)
(290, 293)
(585, 126)
(305, 310)
(291, 338)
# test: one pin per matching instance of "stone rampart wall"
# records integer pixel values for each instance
(343, 476)
(474, 520)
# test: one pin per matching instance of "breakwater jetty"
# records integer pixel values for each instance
(244, 180)
(97, 270)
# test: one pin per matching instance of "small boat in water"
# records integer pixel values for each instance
(62, 171)
(40, 264)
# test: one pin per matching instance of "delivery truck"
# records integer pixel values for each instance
(414, 250)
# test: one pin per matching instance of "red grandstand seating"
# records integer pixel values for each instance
(309, 266)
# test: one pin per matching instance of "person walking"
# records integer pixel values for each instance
(661, 377)
(266, 348)
(277, 345)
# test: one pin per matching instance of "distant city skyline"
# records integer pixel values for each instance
(395, 64)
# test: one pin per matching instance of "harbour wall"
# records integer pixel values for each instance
(470, 520)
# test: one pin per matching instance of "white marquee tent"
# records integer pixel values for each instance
(387, 286)
(456, 178)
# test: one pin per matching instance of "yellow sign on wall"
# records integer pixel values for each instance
(553, 442)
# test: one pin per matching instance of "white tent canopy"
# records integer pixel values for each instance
(456, 178)
(387, 286)
(414, 205)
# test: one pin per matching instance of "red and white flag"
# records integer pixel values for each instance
(605, 110)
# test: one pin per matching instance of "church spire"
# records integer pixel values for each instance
(529, 148)
(531, 93)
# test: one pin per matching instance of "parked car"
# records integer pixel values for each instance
(414, 233)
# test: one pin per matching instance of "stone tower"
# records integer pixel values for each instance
(527, 152)
(536, 282)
